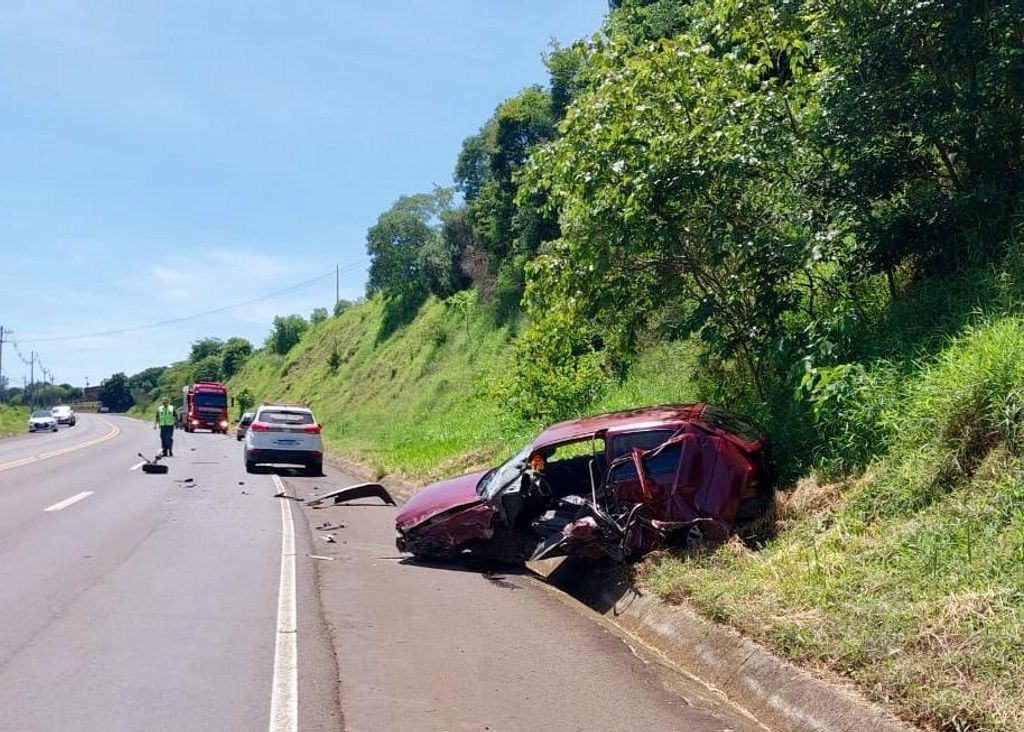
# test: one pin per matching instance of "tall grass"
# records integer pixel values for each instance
(908, 579)
(12, 419)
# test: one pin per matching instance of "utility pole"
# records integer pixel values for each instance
(337, 286)
(1, 363)
(32, 367)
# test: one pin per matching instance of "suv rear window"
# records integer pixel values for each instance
(280, 416)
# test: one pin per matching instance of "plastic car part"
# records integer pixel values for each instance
(353, 493)
(152, 466)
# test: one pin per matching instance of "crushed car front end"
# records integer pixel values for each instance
(443, 517)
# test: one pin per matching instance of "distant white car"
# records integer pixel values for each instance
(42, 421)
(284, 434)
(64, 415)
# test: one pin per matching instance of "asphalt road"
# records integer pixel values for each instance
(132, 601)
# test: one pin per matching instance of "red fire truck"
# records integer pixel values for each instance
(205, 407)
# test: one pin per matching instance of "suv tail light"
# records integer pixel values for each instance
(311, 429)
(259, 427)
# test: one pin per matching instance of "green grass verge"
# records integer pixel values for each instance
(13, 419)
(909, 580)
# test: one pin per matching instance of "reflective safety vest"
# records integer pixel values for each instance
(165, 416)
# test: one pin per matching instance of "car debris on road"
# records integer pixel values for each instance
(152, 466)
(612, 486)
(353, 493)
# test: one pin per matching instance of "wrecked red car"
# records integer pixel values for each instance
(609, 486)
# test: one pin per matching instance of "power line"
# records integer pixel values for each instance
(186, 318)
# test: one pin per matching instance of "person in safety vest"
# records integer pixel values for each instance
(165, 420)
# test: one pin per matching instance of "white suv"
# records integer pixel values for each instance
(284, 434)
(64, 415)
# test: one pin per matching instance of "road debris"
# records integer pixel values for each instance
(329, 538)
(355, 492)
(152, 466)
(282, 494)
(320, 557)
(328, 526)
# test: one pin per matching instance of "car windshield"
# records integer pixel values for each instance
(41, 413)
(246, 418)
(211, 400)
(504, 475)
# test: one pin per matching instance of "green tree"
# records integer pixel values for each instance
(341, 306)
(208, 369)
(923, 119)
(416, 247)
(566, 66)
(146, 380)
(676, 179)
(244, 400)
(233, 355)
(486, 174)
(318, 316)
(204, 348)
(115, 394)
(395, 244)
(641, 21)
(287, 332)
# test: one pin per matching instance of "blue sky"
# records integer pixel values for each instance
(165, 158)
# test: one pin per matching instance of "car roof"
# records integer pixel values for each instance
(646, 418)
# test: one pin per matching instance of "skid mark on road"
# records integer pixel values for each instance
(69, 501)
(284, 699)
(114, 432)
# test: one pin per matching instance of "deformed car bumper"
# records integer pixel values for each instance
(285, 457)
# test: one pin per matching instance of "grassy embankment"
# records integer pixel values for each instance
(426, 401)
(907, 579)
(12, 420)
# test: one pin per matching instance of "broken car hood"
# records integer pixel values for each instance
(440, 497)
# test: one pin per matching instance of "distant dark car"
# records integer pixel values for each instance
(243, 425)
(610, 486)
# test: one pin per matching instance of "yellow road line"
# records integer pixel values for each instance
(114, 432)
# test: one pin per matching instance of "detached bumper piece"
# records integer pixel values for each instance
(354, 493)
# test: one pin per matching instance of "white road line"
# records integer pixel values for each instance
(137, 465)
(114, 432)
(284, 698)
(68, 501)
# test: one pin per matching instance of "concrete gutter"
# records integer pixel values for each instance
(775, 692)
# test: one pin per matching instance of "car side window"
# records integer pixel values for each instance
(623, 444)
